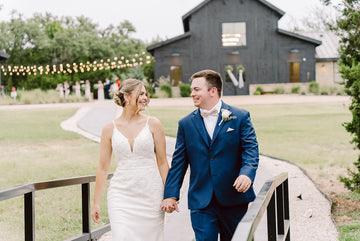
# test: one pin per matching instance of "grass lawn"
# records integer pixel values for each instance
(33, 148)
(309, 135)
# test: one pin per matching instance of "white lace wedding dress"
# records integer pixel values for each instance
(136, 189)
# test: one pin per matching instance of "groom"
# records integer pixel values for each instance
(219, 144)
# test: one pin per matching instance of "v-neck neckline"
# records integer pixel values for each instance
(133, 139)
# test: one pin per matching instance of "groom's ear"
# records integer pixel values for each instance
(213, 91)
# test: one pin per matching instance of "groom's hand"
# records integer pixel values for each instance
(169, 205)
(242, 183)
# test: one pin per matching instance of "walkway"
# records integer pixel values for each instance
(310, 217)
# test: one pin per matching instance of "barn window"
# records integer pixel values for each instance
(234, 34)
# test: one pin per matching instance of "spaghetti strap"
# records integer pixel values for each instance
(147, 121)
(114, 124)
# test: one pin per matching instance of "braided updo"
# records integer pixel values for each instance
(127, 87)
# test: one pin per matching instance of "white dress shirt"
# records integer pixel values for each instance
(210, 120)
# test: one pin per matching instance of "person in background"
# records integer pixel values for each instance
(66, 89)
(87, 90)
(107, 88)
(13, 93)
(114, 89)
(100, 91)
(77, 89)
(60, 90)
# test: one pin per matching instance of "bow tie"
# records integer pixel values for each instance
(205, 113)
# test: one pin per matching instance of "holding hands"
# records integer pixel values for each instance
(241, 184)
(169, 205)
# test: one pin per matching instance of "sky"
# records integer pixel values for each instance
(151, 18)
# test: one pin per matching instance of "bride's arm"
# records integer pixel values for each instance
(103, 169)
(160, 147)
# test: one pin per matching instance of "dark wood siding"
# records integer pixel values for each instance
(265, 55)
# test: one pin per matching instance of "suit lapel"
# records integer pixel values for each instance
(200, 126)
(217, 127)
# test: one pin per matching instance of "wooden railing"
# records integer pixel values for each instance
(28, 191)
(274, 199)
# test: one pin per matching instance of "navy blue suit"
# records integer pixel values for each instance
(214, 163)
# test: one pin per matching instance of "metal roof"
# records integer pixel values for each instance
(329, 48)
(199, 6)
(299, 36)
(168, 41)
(3, 56)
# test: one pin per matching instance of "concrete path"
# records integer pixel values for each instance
(310, 217)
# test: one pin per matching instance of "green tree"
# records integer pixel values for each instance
(348, 28)
(47, 39)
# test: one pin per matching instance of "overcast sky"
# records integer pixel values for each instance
(151, 18)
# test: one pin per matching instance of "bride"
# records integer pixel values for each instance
(136, 188)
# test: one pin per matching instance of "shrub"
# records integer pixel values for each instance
(258, 90)
(167, 89)
(295, 90)
(150, 90)
(279, 91)
(185, 90)
(314, 87)
(324, 92)
(38, 96)
(353, 182)
(163, 80)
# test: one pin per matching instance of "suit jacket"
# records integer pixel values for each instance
(214, 163)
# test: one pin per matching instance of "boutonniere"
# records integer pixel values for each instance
(226, 116)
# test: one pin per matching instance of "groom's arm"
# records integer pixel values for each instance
(249, 144)
(176, 174)
(178, 168)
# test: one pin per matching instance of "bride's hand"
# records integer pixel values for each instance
(95, 214)
(169, 205)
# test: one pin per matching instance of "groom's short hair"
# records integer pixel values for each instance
(213, 79)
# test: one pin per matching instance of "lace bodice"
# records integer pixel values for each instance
(140, 155)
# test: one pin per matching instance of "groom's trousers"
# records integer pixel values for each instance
(216, 219)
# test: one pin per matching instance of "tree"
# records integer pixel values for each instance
(319, 18)
(348, 28)
(45, 39)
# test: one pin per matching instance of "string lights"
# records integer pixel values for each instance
(108, 64)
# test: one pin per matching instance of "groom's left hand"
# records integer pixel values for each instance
(242, 183)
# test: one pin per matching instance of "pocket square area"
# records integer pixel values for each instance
(229, 129)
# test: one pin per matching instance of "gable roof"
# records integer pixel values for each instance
(3, 56)
(166, 42)
(328, 50)
(298, 36)
(186, 16)
(187, 33)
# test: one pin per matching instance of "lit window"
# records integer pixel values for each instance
(234, 34)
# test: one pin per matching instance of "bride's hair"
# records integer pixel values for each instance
(126, 88)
